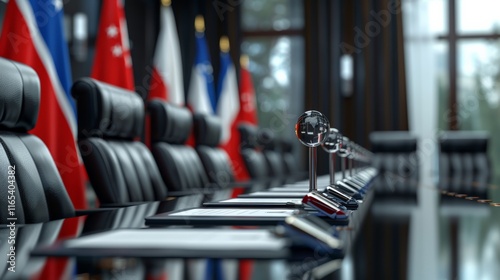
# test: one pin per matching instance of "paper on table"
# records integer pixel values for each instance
(279, 194)
(232, 212)
(196, 239)
(263, 200)
(293, 189)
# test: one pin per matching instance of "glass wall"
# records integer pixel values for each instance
(453, 61)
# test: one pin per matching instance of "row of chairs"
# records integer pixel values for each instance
(121, 169)
(463, 162)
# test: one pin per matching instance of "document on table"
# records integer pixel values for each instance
(235, 212)
(279, 194)
(184, 239)
(294, 189)
(263, 200)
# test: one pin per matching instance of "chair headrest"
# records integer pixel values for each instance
(169, 123)
(107, 111)
(19, 96)
(248, 134)
(266, 139)
(393, 142)
(464, 141)
(207, 130)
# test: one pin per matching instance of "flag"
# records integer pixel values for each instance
(228, 104)
(112, 61)
(201, 96)
(228, 108)
(248, 104)
(167, 82)
(39, 42)
(166, 77)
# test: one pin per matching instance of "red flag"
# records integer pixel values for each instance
(41, 46)
(112, 62)
(247, 113)
(248, 106)
(167, 81)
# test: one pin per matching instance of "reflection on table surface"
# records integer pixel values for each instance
(29, 236)
(51, 234)
(441, 235)
(437, 234)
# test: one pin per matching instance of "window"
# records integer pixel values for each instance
(474, 42)
(274, 41)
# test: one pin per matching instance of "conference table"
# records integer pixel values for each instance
(437, 235)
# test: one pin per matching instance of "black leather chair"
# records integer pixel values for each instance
(207, 131)
(40, 195)
(179, 164)
(121, 170)
(274, 159)
(464, 166)
(289, 161)
(216, 161)
(254, 159)
(395, 157)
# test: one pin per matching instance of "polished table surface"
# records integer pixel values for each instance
(44, 239)
(440, 235)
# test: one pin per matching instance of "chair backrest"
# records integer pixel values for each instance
(273, 156)
(39, 192)
(120, 169)
(253, 157)
(395, 158)
(463, 159)
(217, 164)
(179, 164)
(291, 166)
(395, 152)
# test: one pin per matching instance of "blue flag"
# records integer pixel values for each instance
(201, 97)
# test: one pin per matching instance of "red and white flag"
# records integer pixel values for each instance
(33, 34)
(112, 61)
(38, 41)
(167, 81)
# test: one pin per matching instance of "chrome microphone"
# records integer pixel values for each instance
(311, 129)
(331, 146)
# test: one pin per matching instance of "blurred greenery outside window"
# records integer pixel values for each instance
(273, 39)
(477, 72)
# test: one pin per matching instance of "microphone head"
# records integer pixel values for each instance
(344, 149)
(331, 144)
(311, 128)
